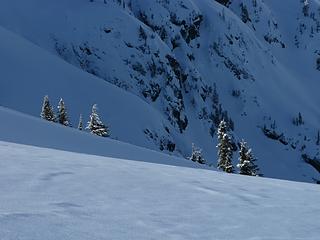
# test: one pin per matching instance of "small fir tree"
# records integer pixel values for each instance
(305, 8)
(196, 155)
(80, 125)
(318, 60)
(47, 112)
(247, 160)
(62, 113)
(298, 120)
(95, 125)
(225, 148)
(244, 13)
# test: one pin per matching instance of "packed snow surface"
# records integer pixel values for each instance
(49, 194)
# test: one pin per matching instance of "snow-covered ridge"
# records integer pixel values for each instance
(182, 67)
(28, 130)
(49, 194)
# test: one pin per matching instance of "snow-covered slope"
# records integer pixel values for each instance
(49, 194)
(28, 73)
(28, 130)
(182, 66)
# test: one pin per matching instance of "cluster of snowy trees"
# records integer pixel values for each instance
(225, 147)
(94, 125)
(196, 155)
(298, 120)
(247, 160)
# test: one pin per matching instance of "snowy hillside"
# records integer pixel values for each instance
(49, 194)
(24, 129)
(164, 73)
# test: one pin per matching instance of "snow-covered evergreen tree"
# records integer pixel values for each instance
(95, 125)
(225, 149)
(80, 124)
(298, 120)
(196, 155)
(47, 112)
(306, 7)
(318, 59)
(247, 160)
(62, 113)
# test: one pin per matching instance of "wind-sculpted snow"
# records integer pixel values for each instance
(183, 65)
(49, 194)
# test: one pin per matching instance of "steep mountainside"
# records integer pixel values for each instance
(178, 68)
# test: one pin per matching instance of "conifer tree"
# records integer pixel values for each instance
(305, 8)
(95, 125)
(225, 148)
(47, 110)
(246, 161)
(80, 125)
(318, 138)
(196, 155)
(244, 13)
(318, 60)
(62, 113)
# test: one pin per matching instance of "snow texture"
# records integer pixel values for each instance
(49, 194)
